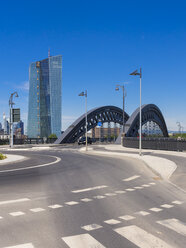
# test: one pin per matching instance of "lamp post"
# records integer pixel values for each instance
(124, 95)
(84, 93)
(11, 103)
(136, 73)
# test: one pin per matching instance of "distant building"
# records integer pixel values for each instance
(104, 132)
(6, 126)
(1, 127)
(44, 110)
(18, 129)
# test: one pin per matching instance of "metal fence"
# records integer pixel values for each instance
(29, 141)
(155, 143)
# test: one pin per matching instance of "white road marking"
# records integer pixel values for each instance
(129, 189)
(86, 200)
(33, 167)
(81, 241)
(138, 187)
(14, 201)
(1, 217)
(145, 185)
(72, 203)
(152, 183)
(89, 189)
(15, 214)
(175, 225)
(99, 196)
(36, 210)
(91, 227)
(141, 238)
(28, 245)
(143, 213)
(177, 202)
(55, 206)
(167, 206)
(112, 222)
(120, 192)
(131, 178)
(110, 194)
(156, 209)
(127, 217)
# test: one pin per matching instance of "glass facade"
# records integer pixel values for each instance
(44, 111)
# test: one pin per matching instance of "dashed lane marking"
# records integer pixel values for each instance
(14, 201)
(146, 185)
(131, 178)
(110, 194)
(112, 222)
(156, 209)
(55, 206)
(140, 237)
(36, 210)
(91, 227)
(83, 240)
(127, 217)
(28, 245)
(89, 189)
(152, 183)
(175, 225)
(15, 214)
(86, 200)
(138, 187)
(120, 192)
(129, 189)
(71, 203)
(167, 206)
(99, 196)
(177, 202)
(143, 213)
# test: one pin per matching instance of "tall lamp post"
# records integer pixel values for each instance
(11, 103)
(124, 95)
(84, 93)
(136, 73)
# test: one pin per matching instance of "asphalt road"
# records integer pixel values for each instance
(88, 201)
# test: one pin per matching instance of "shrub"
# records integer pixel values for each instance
(2, 156)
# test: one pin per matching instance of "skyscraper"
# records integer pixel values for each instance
(44, 110)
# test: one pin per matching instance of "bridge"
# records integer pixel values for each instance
(150, 112)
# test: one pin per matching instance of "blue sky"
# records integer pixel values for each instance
(101, 43)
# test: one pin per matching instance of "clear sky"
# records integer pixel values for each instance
(101, 43)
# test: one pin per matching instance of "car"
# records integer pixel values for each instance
(82, 140)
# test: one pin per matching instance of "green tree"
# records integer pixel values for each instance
(52, 136)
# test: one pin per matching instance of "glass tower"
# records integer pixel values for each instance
(44, 110)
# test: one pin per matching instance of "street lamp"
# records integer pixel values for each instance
(124, 95)
(84, 93)
(136, 73)
(11, 103)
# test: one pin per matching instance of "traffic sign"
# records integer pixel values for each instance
(16, 115)
(99, 124)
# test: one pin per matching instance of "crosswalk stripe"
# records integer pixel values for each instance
(82, 241)
(28, 245)
(91, 227)
(175, 225)
(140, 237)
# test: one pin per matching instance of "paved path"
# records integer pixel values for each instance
(89, 201)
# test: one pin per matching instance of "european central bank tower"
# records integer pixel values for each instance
(44, 110)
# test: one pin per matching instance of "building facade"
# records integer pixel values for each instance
(44, 111)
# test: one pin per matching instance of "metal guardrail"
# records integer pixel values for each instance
(168, 144)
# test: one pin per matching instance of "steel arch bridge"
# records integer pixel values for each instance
(150, 112)
(102, 114)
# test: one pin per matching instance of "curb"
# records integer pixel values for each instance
(161, 166)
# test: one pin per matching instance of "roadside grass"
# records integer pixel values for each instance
(2, 156)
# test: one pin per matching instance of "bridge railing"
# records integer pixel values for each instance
(168, 144)
(29, 141)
